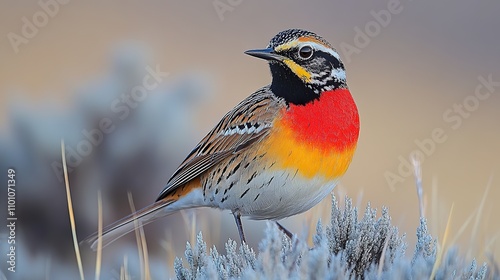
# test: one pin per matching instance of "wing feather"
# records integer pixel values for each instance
(249, 122)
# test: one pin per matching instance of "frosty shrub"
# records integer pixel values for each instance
(348, 248)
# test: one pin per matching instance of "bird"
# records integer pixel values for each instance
(277, 153)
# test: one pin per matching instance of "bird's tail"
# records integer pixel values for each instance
(130, 223)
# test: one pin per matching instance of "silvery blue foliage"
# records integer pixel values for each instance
(145, 143)
(348, 248)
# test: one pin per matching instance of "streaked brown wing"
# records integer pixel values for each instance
(247, 123)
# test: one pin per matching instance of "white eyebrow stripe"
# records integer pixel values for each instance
(314, 45)
(323, 48)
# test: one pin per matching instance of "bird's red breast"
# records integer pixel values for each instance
(318, 138)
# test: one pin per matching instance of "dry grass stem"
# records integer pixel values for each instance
(70, 210)
(442, 248)
(142, 246)
(98, 260)
(417, 171)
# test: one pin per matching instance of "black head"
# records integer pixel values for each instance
(303, 65)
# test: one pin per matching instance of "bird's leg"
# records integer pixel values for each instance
(284, 230)
(237, 218)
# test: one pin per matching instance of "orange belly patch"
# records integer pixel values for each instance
(283, 148)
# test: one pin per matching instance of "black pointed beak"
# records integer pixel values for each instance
(267, 54)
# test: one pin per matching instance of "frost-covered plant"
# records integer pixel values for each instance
(349, 248)
(361, 244)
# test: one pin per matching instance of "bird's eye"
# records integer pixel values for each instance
(305, 52)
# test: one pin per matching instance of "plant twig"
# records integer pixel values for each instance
(98, 260)
(70, 210)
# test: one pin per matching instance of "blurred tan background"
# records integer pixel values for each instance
(411, 74)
